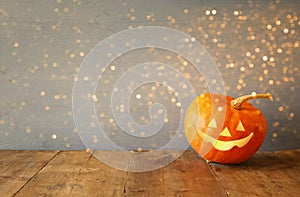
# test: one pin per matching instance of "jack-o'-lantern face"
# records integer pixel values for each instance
(220, 133)
(225, 140)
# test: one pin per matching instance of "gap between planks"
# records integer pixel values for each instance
(266, 174)
(36, 174)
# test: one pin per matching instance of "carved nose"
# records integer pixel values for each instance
(225, 132)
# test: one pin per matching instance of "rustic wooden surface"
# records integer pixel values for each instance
(78, 173)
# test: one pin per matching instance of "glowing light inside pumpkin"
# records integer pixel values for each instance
(225, 132)
(212, 124)
(240, 127)
(225, 145)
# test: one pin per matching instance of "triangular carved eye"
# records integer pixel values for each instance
(225, 132)
(212, 124)
(240, 127)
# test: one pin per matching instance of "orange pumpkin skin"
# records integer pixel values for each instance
(220, 133)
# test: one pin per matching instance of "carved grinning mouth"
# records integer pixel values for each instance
(225, 145)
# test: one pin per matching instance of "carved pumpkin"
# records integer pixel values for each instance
(223, 129)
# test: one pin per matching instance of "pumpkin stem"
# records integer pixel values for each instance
(237, 103)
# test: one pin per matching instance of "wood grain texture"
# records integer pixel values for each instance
(17, 168)
(266, 174)
(187, 176)
(78, 173)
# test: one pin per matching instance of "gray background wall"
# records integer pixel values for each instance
(255, 45)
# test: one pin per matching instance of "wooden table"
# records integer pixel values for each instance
(77, 173)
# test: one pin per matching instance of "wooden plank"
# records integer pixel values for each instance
(266, 174)
(76, 173)
(18, 167)
(187, 176)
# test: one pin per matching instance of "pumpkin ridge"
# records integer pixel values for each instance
(245, 138)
